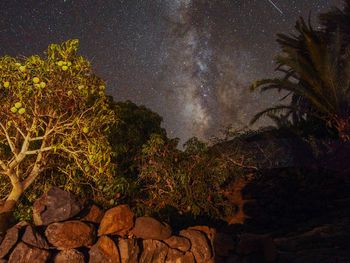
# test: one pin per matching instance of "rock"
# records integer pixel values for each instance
(187, 258)
(69, 256)
(10, 239)
(173, 255)
(94, 215)
(70, 234)
(105, 250)
(129, 250)
(180, 243)
(150, 228)
(223, 244)
(153, 251)
(262, 245)
(24, 253)
(117, 221)
(7, 220)
(200, 247)
(33, 238)
(54, 206)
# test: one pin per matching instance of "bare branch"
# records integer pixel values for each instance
(45, 149)
(12, 146)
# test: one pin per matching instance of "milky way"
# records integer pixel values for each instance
(189, 60)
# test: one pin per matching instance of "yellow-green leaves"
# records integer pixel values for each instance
(64, 68)
(85, 130)
(6, 84)
(42, 84)
(13, 109)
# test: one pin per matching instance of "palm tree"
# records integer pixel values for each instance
(316, 74)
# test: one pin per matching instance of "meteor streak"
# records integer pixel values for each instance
(275, 6)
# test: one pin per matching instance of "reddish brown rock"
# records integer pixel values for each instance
(187, 258)
(129, 250)
(180, 243)
(153, 251)
(150, 228)
(69, 256)
(54, 206)
(174, 255)
(33, 238)
(24, 253)
(117, 221)
(262, 245)
(200, 246)
(94, 215)
(70, 234)
(105, 250)
(10, 239)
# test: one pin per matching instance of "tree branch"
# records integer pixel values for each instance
(12, 146)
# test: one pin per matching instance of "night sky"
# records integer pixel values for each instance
(189, 60)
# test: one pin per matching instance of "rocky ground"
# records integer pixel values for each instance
(292, 225)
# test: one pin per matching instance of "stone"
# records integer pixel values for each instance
(117, 221)
(94, 215)
(179, 243)
(34, 238)
(153, 251)
(174, 255)
(55, 206)
(129, 250)
(105, 250)
(7, 220)
(10, 239)
(150, 228)
(70, 234)
(187, 258)
(258, 244)
(24, 253)
(200, 246)
(69, 256)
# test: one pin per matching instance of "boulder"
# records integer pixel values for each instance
(200, 246)
(10, 239)
(174, 255)
(7, 220)
(129, 250)
(54, 206)
(179, 243)
(24, 253)
(69, 256)
(150, 228)
(105, 250)
(117, 221)
(94, 215)
(70, 234)
(153, 251)
(34, 238)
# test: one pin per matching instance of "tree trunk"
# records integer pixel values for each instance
(12, 199)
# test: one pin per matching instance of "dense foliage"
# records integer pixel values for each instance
(186, 181)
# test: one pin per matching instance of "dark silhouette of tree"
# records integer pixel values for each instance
(316, 74)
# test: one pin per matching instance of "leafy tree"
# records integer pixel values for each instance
(54, 116)
(315, 66)
(188, 181)
(134, 128)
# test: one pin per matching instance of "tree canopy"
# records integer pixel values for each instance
(54, 115)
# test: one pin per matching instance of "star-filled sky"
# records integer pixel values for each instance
(191, 61)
